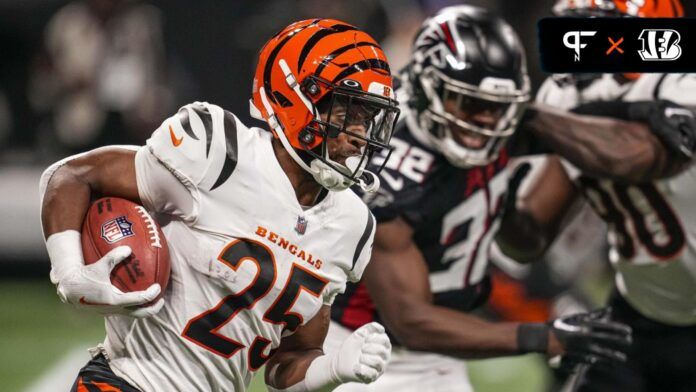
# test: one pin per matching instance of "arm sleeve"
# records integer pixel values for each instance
(363, 249)
(176, 164)
(362, 252)
(182, 143)
(162, 191)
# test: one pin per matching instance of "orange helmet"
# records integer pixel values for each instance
(637, 8)
(321, 65)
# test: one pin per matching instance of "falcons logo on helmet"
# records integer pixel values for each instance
(438, 42)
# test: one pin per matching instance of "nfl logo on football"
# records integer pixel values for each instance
(116, 229)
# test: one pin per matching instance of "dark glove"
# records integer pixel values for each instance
(587, 338)
(673, 124)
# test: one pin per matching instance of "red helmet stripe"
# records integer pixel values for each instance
(448, 35)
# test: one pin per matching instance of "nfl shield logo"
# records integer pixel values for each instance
(301, 225)
(116, 229)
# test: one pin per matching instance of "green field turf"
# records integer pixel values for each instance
(37, 330)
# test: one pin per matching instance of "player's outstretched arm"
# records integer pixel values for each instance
(531, 221)
(300, 365)
(631, 142)
(399, 275)
(67, 189)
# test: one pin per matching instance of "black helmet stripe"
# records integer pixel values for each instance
(318, 36)
(339, 52)
(674, 7)
(271, 59)
(362, 66)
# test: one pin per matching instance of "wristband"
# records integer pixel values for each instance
(532, 338)
(65, 251)
(320, 375)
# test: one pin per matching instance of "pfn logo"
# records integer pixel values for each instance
(660, 45)
(575, 43)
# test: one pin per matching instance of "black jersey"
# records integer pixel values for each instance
(454, 213)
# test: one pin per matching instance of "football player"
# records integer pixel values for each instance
(648, 210)
(262, 235)
(443, 191)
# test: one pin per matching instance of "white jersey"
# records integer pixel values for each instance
(249, 264)
(652, 226)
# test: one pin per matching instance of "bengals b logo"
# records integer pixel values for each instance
(660, 45)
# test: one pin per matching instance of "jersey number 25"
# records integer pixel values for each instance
(203, 329)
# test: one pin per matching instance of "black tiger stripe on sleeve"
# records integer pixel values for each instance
(231, 153)
(207, 120)
(365, 236)
(186, 122)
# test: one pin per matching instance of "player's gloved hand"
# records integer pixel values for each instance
(586, 338)
(361, 358)
(90, 286)
(673, 124)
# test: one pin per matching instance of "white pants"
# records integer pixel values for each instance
(407, 370)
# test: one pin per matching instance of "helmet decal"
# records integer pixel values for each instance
(436, 42)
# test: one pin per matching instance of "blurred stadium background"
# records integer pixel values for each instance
(75, 75)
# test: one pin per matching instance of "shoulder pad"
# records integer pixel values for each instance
(198, 144)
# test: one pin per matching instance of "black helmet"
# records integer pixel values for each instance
(465, 61)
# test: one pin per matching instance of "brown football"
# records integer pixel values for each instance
(112, 222)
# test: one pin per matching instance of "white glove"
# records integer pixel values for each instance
(361, 358)
(90, 286)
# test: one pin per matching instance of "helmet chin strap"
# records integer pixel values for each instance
(340, 182)
(322, 173)
(369, 187)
